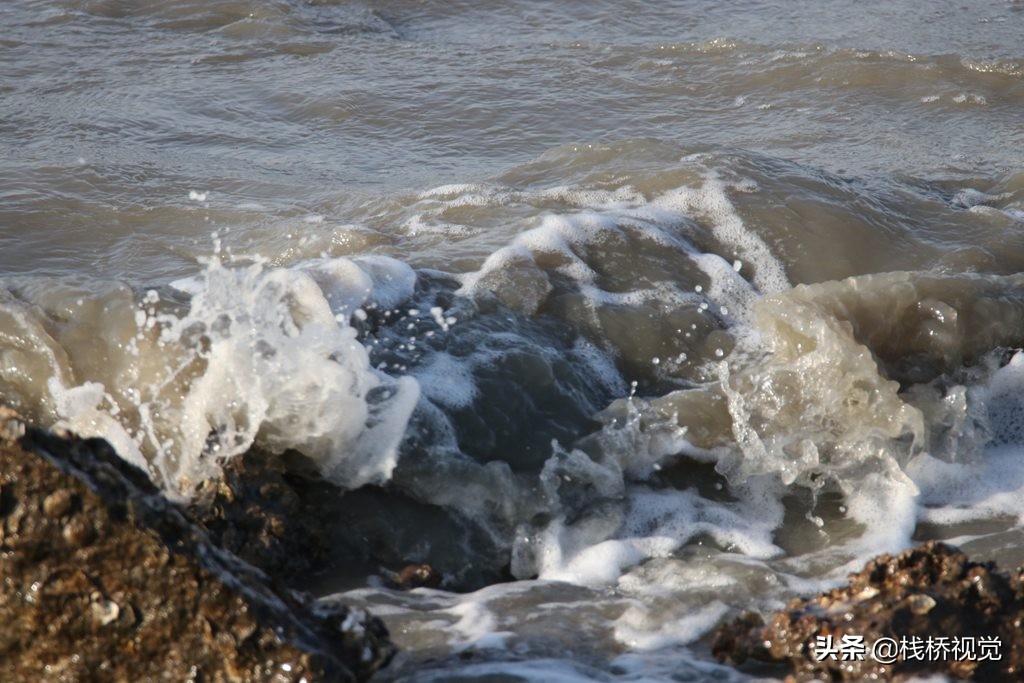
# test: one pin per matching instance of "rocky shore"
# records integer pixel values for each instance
(105, 579)
(936, 611)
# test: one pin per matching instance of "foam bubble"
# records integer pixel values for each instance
(970, 98)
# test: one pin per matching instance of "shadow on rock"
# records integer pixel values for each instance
(277, 513)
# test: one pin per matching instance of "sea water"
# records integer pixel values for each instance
(660, 312)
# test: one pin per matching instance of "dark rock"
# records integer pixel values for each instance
(105, 579)
(260, 510)
(278, 513)
(931, 592)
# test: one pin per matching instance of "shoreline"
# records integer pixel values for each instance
(103, 573)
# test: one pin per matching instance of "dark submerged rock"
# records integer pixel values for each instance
(930, 591)
(105, 579)
(278, 513)
(262, 509)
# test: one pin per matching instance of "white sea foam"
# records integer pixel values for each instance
(991, 486)
(679, 495)
(710, 200)
(262, 356)
(89, 410)
(970, 98)
(532, 671)
(447, 381)
(638, 629)
(583, 240)
(476, 627)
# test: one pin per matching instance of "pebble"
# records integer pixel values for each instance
(78, 532)
(58, 503)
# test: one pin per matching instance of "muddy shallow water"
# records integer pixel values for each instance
(663, 311)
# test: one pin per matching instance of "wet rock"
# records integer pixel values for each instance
(58, 503)
(260, 510)
(78, 531)
(935, 605)
(104, 579)
(413, 576)
(279, 514)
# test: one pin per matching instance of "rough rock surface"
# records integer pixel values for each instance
(932, 591)
(279, 514)
(262, 511)
(104, 579)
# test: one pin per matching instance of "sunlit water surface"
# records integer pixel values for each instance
(666, 310)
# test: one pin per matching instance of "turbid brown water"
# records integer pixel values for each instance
(666, 310)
